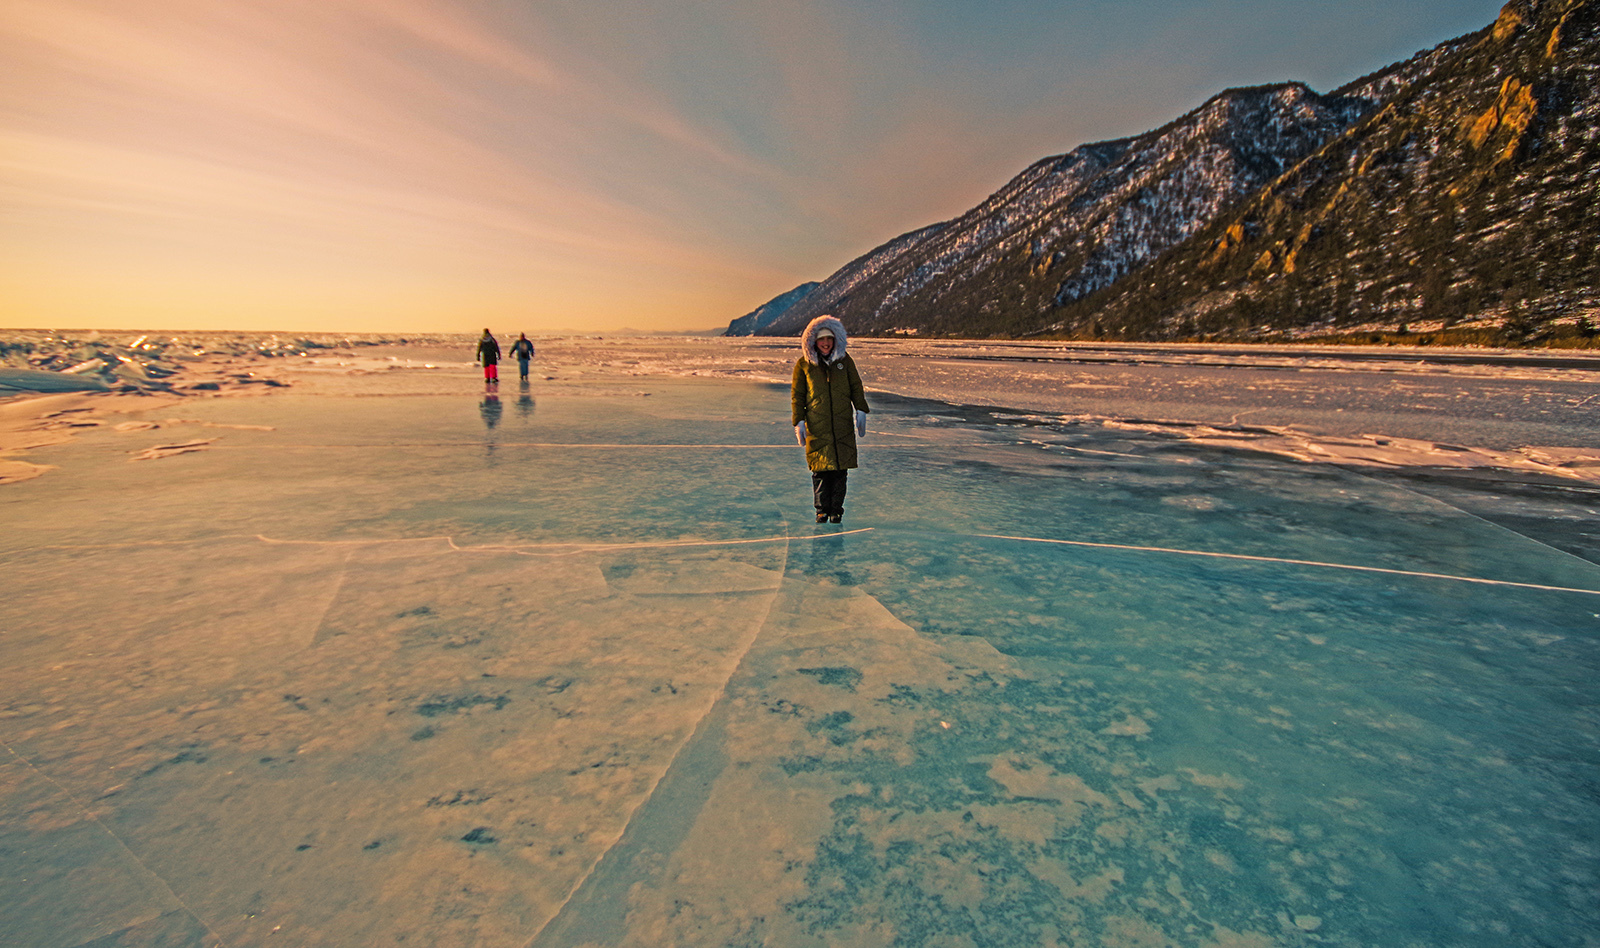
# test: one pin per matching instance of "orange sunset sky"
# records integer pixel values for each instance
(538, 165)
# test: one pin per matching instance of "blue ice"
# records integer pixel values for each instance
(573, 666)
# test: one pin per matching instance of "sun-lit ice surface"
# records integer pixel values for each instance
(572, 666)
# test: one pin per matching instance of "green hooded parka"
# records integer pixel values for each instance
(826, 396)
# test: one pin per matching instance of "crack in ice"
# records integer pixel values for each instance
(744, 650)
(521, 549)
(1285, 561)
(574, 549)
(89, 815)
(333, 597)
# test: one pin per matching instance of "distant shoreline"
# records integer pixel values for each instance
(1472, 338)
(1374, 406)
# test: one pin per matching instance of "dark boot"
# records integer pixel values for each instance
(827, 489)
(819, 495)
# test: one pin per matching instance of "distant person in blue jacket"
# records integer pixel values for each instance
(523, 350)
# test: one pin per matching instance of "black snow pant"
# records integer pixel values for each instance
(827, 489)
(523, 365)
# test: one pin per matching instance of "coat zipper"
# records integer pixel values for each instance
(833, 423)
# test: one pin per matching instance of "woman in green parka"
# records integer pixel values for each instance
(830, 409)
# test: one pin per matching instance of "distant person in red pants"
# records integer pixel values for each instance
(489, 356)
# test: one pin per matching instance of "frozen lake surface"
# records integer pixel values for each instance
(385, 660)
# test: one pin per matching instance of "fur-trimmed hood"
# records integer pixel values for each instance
(808, 339)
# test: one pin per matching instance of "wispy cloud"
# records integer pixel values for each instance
(394, 130)
(671, 161)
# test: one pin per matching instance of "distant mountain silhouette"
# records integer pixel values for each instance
(765, 314)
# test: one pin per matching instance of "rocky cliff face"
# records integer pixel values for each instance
(1275, 206)
(1470, 195)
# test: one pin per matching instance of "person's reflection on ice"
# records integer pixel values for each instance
(490, 408)
(524, 401)
(830, 560)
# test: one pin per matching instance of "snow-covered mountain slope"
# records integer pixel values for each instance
(1052, 252)
(1088, 217)
(762, 316)
(832, 294)
(1471, 195)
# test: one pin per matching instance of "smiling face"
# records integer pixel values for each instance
(825, 345)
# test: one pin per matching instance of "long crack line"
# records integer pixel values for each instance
(1287, 561)
(749, 642)
(217, 939)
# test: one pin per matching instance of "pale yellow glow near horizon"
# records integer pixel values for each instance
(440, 165)
(272, 165)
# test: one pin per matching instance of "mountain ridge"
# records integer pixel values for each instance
(1097, 205)
(764, 315)
(1053, 251)
(1464, 200)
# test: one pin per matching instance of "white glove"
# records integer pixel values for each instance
(861, 424)
(800, 433)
